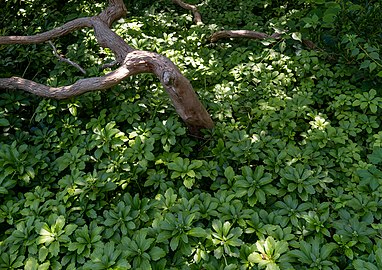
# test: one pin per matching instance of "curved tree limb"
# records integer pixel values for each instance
(195, 12)
(51, 34)
(132, 62)
(177, 86)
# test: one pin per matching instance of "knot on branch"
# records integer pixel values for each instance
(168, 78)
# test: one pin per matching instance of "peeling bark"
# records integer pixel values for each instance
(131, 61)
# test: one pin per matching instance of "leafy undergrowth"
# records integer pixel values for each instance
(289, 178)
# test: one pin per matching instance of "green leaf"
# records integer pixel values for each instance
(378, 257)
(188, 182)
(44, 266)
(372, 66)
(327, 249)
(191, 173)
(297, 36)
(42, 253)
(4, 122)
(255, 257)
(60, 223)
(218, 252)
(98, 153)
(349, 253)
(355, 52)
(145, 264)
(73, 110)
(362, 265)
(361, 56)
(373, 108)
(174, 242)
(374, 55)
(157, 253)
(365, 64)
(282, 46)
(226, 227)
(229, 173)
(54, 248)
(45, 235)
(31, 264)
(376, 156)
(163, 236)
(197, 232)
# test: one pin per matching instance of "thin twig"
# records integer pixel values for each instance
(66, 60)
(25, 70)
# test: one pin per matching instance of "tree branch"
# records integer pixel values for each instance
(51, 34)
(131, 61)
(195, 12)
(113, 12)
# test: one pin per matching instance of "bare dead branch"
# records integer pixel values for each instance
(241, 34)
(66, 60)
(177, 86)
(195, 12)
(79, 87)
(51, 34)
(132, 62)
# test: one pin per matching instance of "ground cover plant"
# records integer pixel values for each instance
(289, 177)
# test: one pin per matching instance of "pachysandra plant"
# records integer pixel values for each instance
(288, 178)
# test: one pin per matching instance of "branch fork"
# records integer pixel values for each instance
(132, 62)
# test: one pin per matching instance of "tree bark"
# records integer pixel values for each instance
(131, 61)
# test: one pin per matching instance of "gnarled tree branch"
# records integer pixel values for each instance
(131, 61)
(48, 35)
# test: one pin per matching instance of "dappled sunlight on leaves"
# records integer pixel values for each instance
(289, 177)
